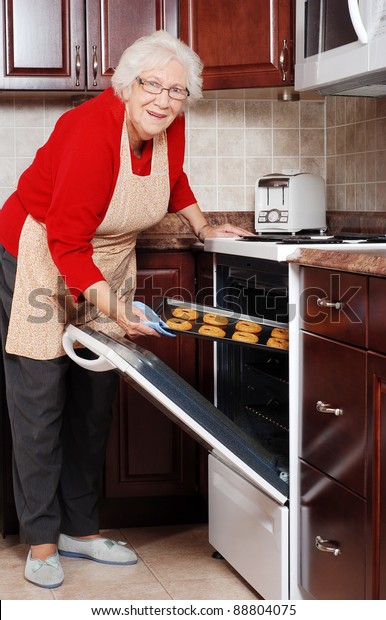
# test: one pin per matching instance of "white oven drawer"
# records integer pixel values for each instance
(249, 529)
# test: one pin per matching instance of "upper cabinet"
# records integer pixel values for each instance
(113, 25)
(242, 44)
(73, 44)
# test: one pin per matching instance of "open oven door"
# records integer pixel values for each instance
(157, 382)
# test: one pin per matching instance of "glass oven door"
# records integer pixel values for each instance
(182, 403)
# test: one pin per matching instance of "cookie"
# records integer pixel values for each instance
(280, 332)
(248, 326)
(179, 324)
(245, 337)
(185, 313)
(278, 343)
(211, 330)
(215, 319)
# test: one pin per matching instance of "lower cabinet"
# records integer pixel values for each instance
(152, 473)
(342, 457)
(376, 374)
(332, 538)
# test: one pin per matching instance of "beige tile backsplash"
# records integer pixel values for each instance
(234, 137)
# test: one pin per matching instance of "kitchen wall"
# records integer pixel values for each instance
(234, 137)
(356, 153)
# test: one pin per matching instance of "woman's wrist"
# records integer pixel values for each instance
(198, 234)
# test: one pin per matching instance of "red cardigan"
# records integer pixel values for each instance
(71, 181)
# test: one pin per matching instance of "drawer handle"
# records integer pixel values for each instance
(325, 408)
(329, 546)
(324, 303)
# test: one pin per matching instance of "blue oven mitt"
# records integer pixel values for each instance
(154, 320)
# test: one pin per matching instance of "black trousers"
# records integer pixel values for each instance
(60, 417)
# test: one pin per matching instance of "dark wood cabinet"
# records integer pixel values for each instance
(113, 25)
(242, 44)
(152, 466)
(332, 538)
(334, 304)
(73, 44)
(343, 444)
(334, 421)
(43, 44)
(377, 476)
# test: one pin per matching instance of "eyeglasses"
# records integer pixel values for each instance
(156, 89)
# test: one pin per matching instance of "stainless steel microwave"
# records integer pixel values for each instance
(341, 47)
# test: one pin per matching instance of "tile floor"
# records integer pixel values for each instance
(174, 563)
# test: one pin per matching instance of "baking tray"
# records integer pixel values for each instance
(169, 304)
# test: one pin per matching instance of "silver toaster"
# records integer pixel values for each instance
(290, 203)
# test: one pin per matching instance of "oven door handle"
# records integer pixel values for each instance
(106, 360)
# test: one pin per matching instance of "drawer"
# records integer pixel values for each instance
(335, 517)
(334, 440)
(334, 304)
(249, 529)
(377, 331)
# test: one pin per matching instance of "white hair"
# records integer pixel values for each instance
(157, 50)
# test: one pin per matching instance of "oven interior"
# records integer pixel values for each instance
(252, 384)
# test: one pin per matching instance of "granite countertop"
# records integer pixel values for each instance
(371, 262)
(173, 233)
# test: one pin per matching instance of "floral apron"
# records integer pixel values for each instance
(42, 305)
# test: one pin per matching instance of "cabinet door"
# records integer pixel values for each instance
(334, 304)
(149, 456)
(242, 44)
(334, 419)
(43, 45)
(377, 331)
(332, 538)
(113, 25)
(377, 475)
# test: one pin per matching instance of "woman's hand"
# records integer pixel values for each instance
(130, 319)
(222, 230)
(197, 221)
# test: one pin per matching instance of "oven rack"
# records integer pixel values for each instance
(266, 414)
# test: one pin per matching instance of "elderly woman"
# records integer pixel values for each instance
(111, 168)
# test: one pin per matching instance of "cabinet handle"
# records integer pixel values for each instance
(283, 60)
(77, 65)
(94, 64)
(329, 546)
(325, 408)
(324, 303)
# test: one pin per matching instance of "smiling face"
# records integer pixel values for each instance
(149, 114)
